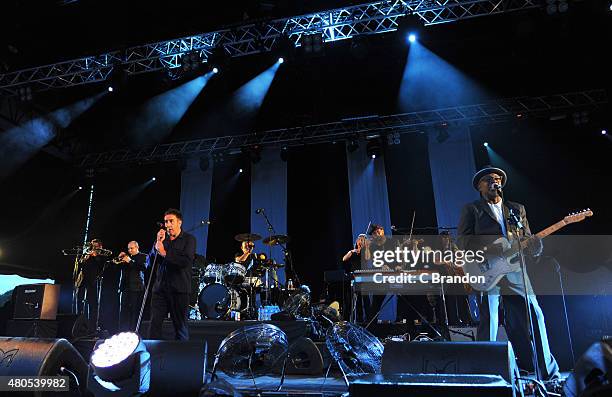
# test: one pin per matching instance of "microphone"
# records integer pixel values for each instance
(160, 225)
(259, 210)
(393, 228)
(496, 186)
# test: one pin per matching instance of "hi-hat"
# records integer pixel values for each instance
(276, 239)
(247, 237)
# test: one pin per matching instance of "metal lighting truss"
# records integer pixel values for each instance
(496, 111)
(251, 38)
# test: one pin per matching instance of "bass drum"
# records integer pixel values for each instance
(216, 301)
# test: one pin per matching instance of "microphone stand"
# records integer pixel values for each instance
(286, 251)
(146, 293)
(512, 219)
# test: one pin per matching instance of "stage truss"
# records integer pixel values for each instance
(338, 24)
(501, 110)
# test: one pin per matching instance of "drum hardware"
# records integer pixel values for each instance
(217, 301)
(247, 237)
(277, 239)
(214, 273)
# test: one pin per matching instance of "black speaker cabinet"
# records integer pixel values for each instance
(36, 301)
(42, 357)
(592, 376)
(485, 363)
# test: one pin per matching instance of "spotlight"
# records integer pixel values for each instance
(281, 60)
(284, 153)
(80, 187)
(215, 70)
(110, 88)
(604, 132)
(113, 359)
(412, 37)
(373, 148)
(486, 144)
(153, 179)
(352, 145)
(240, 170)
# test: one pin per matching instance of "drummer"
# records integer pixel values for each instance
(247, 257)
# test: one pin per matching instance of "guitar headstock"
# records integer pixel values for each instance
(578, 216)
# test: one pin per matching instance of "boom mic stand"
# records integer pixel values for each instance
(286, 250)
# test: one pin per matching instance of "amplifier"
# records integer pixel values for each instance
(36, 301)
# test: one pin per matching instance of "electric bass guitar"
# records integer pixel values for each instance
(502, 257)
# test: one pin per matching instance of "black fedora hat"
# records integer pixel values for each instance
(489, 170)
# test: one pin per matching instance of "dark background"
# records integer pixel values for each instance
(554, 167)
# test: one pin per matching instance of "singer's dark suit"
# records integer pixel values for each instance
(173, 286)
(132, 290)
(477, 219)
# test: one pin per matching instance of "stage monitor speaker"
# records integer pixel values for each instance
(304, 358)
(453, 358)
(36, 301)
(177, 368)
(592, 376)
(43, 357)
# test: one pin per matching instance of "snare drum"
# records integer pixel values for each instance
(213, 274)
(234, 273)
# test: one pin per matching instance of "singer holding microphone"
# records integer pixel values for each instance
(483, 221)
(176, 251)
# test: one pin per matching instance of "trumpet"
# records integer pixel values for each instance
(119, 259)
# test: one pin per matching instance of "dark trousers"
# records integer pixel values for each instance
(130, 309)
(177, 304)
(88, 303)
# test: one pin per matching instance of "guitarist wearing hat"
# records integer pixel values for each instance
(488, 218)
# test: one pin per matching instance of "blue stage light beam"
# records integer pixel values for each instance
(249, 98)
(431, 82)
(160, 114)
(20, 143)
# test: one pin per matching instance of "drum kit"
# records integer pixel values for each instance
(229, 290)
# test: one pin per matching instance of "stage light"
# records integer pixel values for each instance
(80, 187)
(412, 37)
(240, 170)
(153, 179)
(215, 70)
(352, 145)
(604, 132)
(486, 144)
(281, 60)
(113, 359)
(373, 148)
(110, 89)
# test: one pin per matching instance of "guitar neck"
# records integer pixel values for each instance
(546, 232)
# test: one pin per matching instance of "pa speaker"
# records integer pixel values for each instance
(592, 376)
(304, 358)
(36, 301)
(487, 360)
(42, 357)
(173, 368)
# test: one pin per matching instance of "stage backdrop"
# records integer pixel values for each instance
(196, 187)
(452, 168)
(369, 203)
(269, 192)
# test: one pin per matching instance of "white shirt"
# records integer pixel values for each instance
(498, 211)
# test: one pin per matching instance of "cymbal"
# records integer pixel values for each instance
(276, 239)
(247, 237)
